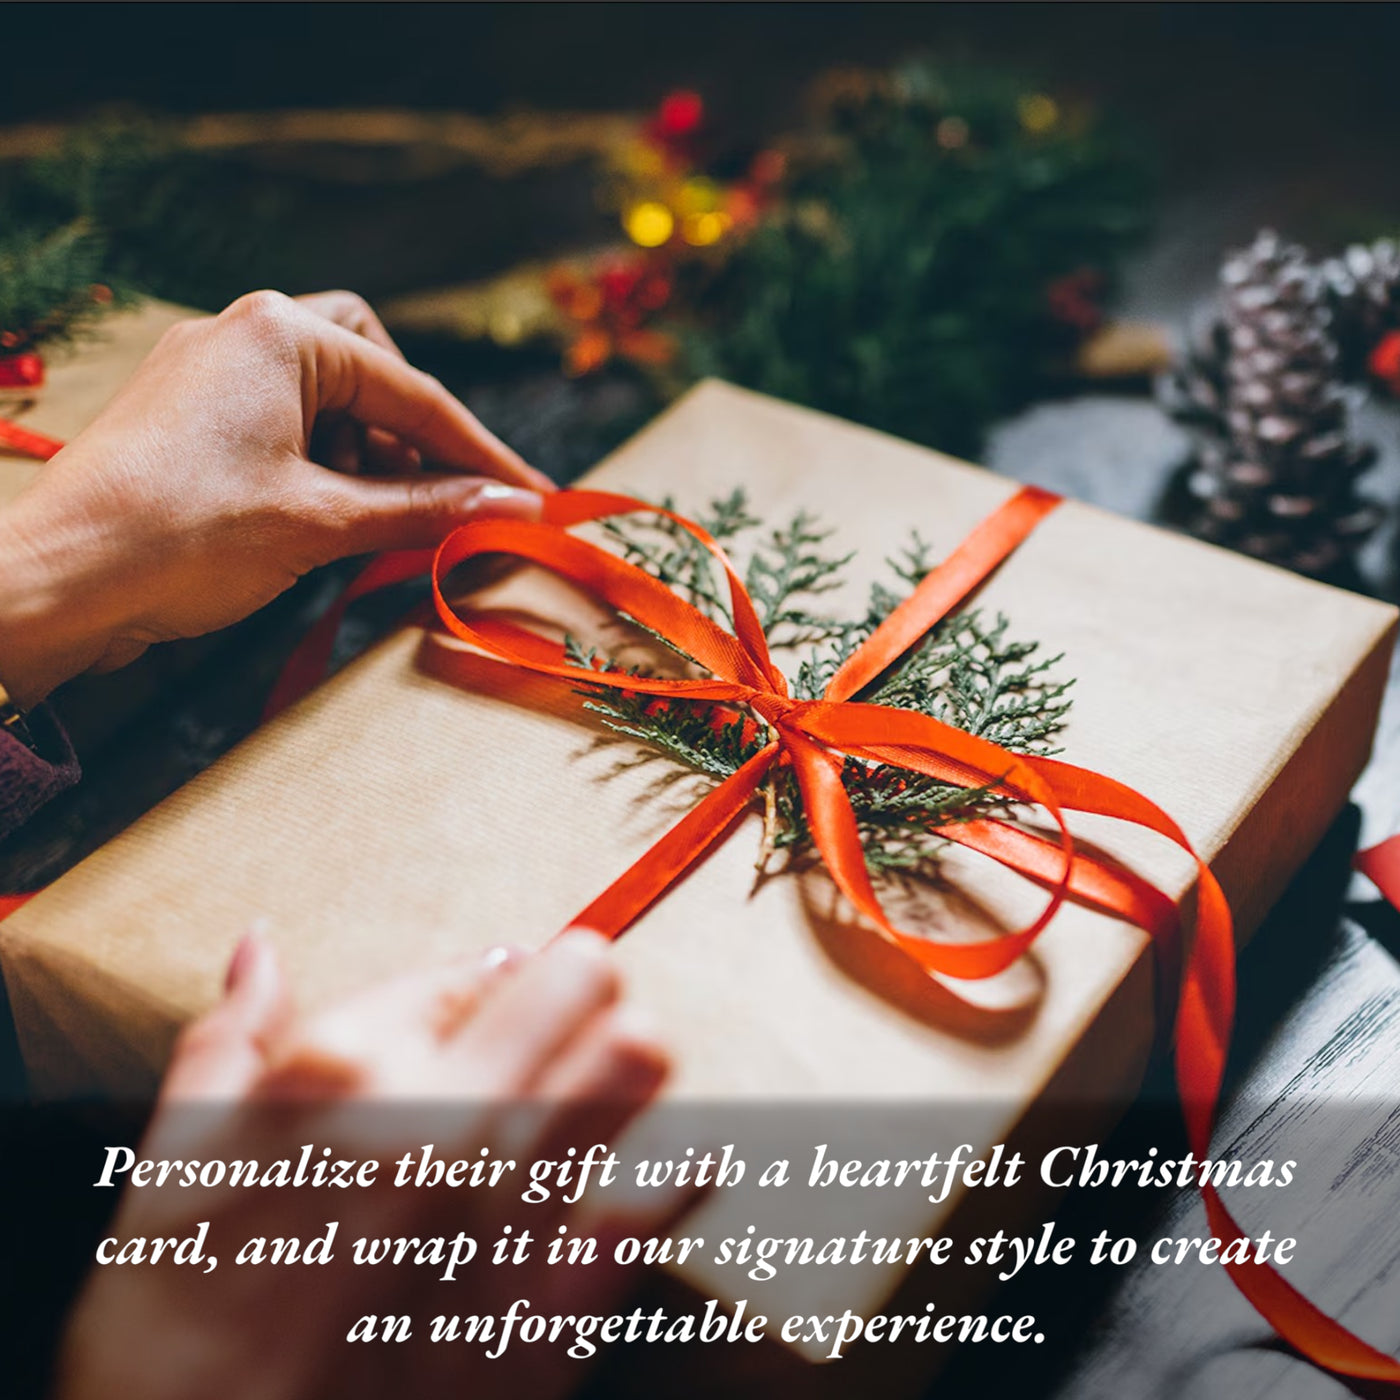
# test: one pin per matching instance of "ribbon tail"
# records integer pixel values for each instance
(1095, 882)
(614, 911)
(964, 570)
(10, 902)
(1204, 1024)
(1381, 866)
(307, 665)
(1301, 1323)
(26, 442)
(1108, 887)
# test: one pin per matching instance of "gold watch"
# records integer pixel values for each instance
(14, 721)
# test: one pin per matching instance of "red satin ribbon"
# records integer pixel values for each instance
(1381, 865)
(26, 442)
(811, 735)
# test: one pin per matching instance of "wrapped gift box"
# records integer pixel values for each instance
(397, 816)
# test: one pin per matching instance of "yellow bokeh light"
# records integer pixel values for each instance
(698, 196)
(649, 224)
(1038, 112)
(700, 230)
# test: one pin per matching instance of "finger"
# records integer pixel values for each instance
(221, 1054)
(388, 1038)
(343, 445)
(530, 1020)
(343, 450)
(591, 1095)
(411, 512)
(624, 1060)
(627, 1209)
(353, 312)
(603, 1285)
(352, 375)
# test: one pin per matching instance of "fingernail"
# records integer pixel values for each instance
(241, 962)
(583, 937)
(499, 956)
(244, 956)
(496, 498)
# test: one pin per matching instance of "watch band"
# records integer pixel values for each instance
(14, 721)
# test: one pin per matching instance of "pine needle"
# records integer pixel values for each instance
(966, 672)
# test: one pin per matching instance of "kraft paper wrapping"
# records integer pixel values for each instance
(79, 382)
(395, 817)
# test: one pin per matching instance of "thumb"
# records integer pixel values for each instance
(417, 512)
(222, 1053)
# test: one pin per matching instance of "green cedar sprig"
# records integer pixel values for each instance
(47, 282)
(966, 672)
(122, 204)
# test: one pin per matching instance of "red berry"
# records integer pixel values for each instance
(24, 371)
(680, 113)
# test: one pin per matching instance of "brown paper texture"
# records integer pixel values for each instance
(393, 818)
(80, 381)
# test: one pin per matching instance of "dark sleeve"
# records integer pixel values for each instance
(28, 778)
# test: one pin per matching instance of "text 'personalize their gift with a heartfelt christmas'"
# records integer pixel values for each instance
(854, 726)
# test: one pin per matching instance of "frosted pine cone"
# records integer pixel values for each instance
(1275, 469)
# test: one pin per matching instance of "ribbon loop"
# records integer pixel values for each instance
(816, 736)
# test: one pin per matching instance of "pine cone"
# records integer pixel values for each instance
(1195, 391)
(1363, 288)
(1275, 470)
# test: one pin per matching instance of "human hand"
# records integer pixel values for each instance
(237, 458)
(523, 1059)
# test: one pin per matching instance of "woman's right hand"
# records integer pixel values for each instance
(248, 448)
(519, 1057)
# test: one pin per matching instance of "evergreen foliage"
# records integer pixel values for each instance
(903, 281)
(47, 282)
(121, 205)
(966, 672)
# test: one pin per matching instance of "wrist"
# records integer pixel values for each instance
(49, 632)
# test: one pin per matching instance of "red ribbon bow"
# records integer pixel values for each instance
(811, 735)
